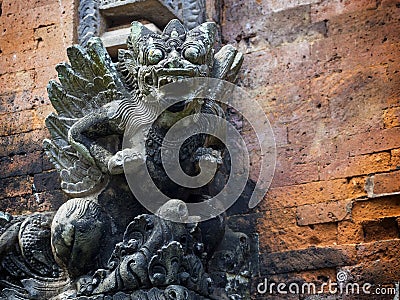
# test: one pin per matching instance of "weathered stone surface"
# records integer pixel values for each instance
(381, 229)
(386, 183)
(47, 181)
(395, 159)
(376, 208)
(324, 212)
(375, 272)
(350, 232)
(282, 238)
(24, 100)
(308, 259)
(329, 10)
(314, 192)
(15, 186)
(22, 143)
(267, 25)
(356, 165)
(391, 117)
(24, 121)
(368, 142)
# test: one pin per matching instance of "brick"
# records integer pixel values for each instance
(378, 250)
(389, 3)
(24, 39)
(311, 132)
(276, 5)
(369, 142)
(16, 82)
(365, 19)
(47, 36)
(373, 209)
(324, 212)
(376, 272)
(45, 74)
(290, 61)
(24, 100)
(289, 173)
(278, 239)
(330, 10)
(318, 276)
(25, 121)
(30, 18)
(27, 60)
(15, 186)
(368, 296)
(391, 117)
(39, 3)
(23, 143)
(69, 22)
(280, 134)
(357, 165)
(17, 205)
(307, 259)
(277, 218)
(295, 154)
(314, 192)
(386, 183)
(275, 297)
(27, 164)
(265, 27)
(283, 103)
(381, 229)
(37, 202)
(232, 26)
(350, 232)
(14, 62)
(395, 159)
(9, 6)
(352, 99)
(336, 53)
(48, 181)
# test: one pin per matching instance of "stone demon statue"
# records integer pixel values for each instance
(102, 244)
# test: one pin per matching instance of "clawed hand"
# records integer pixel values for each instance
(127, 156)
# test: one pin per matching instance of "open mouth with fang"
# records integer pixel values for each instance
(154, 78)
(160, 77)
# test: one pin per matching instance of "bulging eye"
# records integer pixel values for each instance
(192, 54)
(154, 56)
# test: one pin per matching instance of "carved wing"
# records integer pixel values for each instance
(85, 85)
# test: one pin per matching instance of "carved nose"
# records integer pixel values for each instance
(174, 60)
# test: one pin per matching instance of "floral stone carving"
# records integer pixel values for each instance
(102, 243)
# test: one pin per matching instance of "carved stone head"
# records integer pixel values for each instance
(173, 55)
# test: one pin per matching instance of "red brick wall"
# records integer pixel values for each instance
(327, 75)
(33, 37)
